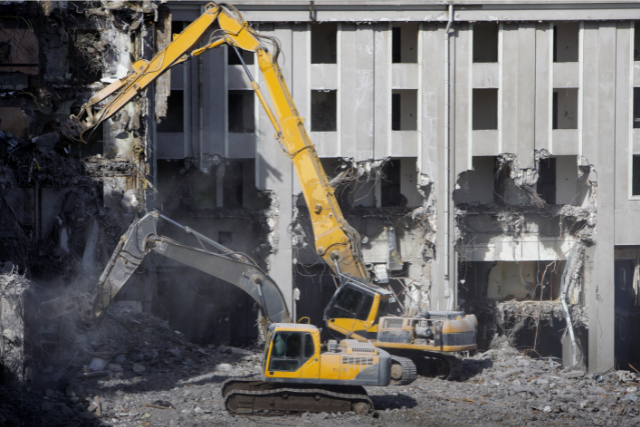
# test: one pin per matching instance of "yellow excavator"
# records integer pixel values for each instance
(359, 309)
(297, 375)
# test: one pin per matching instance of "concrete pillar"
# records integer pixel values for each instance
(275, 173)
(430, 158)
(599, 141)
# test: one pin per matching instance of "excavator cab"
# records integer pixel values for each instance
(356, 307)
(290, 350)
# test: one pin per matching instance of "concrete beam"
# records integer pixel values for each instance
(423, 11)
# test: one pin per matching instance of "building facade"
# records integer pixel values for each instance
(536, 202)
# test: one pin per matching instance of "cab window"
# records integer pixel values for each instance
(383, 308)
(290, 350)
(352, 303)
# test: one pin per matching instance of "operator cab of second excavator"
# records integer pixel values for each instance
(359, 300)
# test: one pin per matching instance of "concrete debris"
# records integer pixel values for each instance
(545, 310)
(573, 374)
(424, 217)
(352, 172)
(519, 183)
(627, 376)
(98, 364)
(514, 228)
(499, 387)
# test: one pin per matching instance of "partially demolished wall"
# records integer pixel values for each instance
(55, 192)
(513, 247)
(63, 205)
(397, 234)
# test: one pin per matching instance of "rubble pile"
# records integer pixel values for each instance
(132, 369)
(123, 344)
(499, 387)
(504, 387)
(132, 353)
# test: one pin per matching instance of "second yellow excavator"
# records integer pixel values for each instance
(359, 309)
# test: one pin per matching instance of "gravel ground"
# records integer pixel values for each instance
(172, 382)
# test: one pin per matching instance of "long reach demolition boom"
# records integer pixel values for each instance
(359, 309)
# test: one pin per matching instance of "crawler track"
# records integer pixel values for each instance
(403, 370)
(444, 366)
(257, 397)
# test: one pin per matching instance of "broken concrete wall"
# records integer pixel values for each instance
(63, 205)
(393, 212)
(53, 200)
(516, 227)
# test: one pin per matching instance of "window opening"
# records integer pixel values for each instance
(395, 111)
(546, 186)
(485, 109)
(485, 42)
(566, 42)
(241, 111)
(324, 110)
(636, 107)
(636, 41)
(174, 121)
(396, 44)
(324, 43)
(404, 43)
(177, 27)
(232, 56)
(390, 194)
(232, 185)
(290, 350)
(404, 109)
(565, 108)
(635, 190)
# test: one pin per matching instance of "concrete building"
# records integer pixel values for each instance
(542, 118)
(488, 153)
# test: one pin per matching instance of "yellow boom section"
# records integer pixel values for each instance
(336, 241)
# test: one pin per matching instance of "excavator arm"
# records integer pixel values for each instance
(336, 241)
(212, 258)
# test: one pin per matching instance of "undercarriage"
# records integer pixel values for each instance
(242, 396)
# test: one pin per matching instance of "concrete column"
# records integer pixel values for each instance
(275, 173)
(382, 90)
(432, 140)
(599, 141)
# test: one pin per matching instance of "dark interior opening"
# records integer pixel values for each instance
(546, 186)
